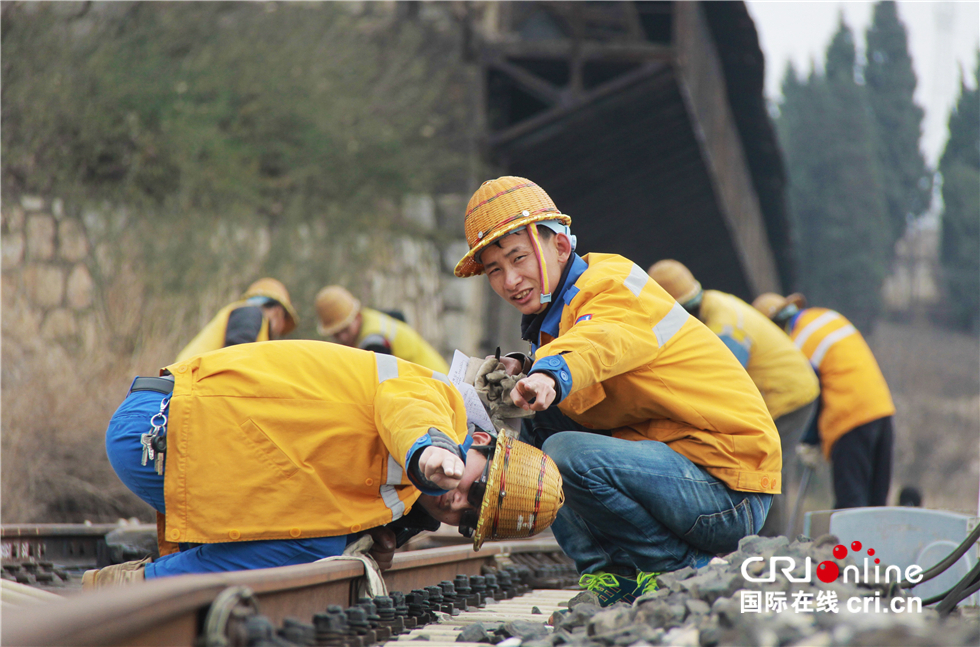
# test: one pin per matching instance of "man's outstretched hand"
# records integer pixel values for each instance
(539, 388)
(442, 467)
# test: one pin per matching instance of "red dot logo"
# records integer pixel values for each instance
(877, 561)
(827, 571)
(871, 551)
(840, 552)
(855, 546)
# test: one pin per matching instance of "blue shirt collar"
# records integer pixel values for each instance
(792, 321)
(550, 319)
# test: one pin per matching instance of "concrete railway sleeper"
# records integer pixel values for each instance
(227, 608)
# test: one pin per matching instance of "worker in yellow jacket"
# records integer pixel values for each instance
(788, 385)
(665, 447)
(262, 455)
(264, 312)
(342, 317)
(855, 415)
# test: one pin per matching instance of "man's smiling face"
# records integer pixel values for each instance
(514, 271)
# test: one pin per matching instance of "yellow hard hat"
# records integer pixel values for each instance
(674, 277)
(523, 493)
(771, 304)
(499, 207)
(273, 289)
(336, 309)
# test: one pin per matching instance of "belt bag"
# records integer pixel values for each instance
(158, 384)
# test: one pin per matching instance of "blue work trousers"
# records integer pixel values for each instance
(125, 452)
(640, 506)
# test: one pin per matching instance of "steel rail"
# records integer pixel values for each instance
(171, 611)
(69, 544)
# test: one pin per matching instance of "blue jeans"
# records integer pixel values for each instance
(640, 506)
(125, 452)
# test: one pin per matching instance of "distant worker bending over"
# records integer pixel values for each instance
(665, 446)
(856, 409)
(264, 312)
(780, 371)
(287, 452)
(343, 318)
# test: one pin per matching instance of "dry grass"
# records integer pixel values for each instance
(54, 416)
(56, 403)
(934, 375)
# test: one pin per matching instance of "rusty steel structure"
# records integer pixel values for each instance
(646, 122)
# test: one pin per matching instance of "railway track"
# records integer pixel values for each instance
(222, 609)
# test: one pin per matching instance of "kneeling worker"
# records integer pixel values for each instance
(343, 318)
(784, 377)
(856, 408)
(284, 453)
(263, 313)
(666, 450)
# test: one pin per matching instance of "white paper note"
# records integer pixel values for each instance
(475, 411)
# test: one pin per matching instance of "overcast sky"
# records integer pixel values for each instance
(943, 39)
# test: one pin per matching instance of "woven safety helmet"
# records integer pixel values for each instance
(498, 208)
(771, 304)
(273, 289)
(335, 309)
(523, 495)
(674, 277)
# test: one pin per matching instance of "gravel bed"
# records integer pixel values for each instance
(713, 605)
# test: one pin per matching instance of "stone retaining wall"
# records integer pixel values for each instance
(77, 278)
(48, 289)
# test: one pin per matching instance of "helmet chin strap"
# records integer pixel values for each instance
(532, 232)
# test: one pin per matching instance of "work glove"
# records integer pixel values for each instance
(494, 385)
(809, 455)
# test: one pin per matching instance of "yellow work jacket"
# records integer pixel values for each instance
(296, 439)
(377, 328)
(777, 367)
(212, 336)
(632, 360)
(853, 391)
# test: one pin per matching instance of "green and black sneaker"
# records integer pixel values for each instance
(611, 588)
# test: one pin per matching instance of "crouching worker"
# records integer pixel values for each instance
(854, 423)
(264, 312)
(286, 452)
(787, 383)
(342, 317)
(665, 447)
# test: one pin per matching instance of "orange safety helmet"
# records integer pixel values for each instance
(674, 277)
(523, 493)
(771, 304)
(498, 208)
(273, 289)
(336, 309)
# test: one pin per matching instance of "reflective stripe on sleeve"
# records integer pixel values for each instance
(387, 366)
(813, 326)
(829, 341)
(670, 324)
(389, 494)
(390, 329)
(387, 369)
(436, 375)
(636, 280)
